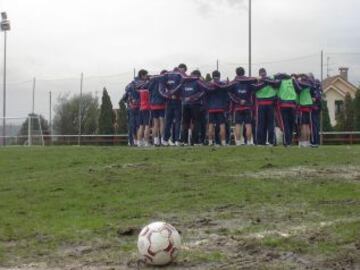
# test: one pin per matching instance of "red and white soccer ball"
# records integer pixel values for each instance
(158, 243)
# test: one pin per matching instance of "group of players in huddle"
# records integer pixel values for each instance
(174, 108)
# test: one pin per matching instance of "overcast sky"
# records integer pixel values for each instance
(56, 40)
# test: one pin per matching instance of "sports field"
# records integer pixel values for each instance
(236, 208)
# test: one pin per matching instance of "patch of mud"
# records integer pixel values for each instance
(341, 173)
(207, 235)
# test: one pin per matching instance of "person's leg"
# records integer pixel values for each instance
(217, 134)
(227, 129)
(161, 124)
(307, 135)
(315, 132)
(249, 134)
(203, 125)
(168, 123)
(270, 130)
(261, 129)
(223, 134)
(285, 122)
(156, 128)
(157, 138)
(238, 129)
(211, 131)
(140, 135)
(186, 120)
(146, 122)
(196, 118)
(178, 119)
(247, 119)
(291, 123)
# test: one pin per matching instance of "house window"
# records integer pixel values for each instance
(339, 107)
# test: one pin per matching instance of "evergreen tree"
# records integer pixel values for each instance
(356, 104)
(122, 127)
(345, 119)
(66, 120)
(107, 115)
(208, 77)
(326, 117)
(35, 129)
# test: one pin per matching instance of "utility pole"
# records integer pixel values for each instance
(328, 66)
(217, 64)
(32, 113)
(321, 112)
(5, 26)
(80, 107)
(50, 116)
(250, 37)
(134, 73)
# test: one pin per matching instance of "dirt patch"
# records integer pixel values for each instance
(212, 242)
(351, 173)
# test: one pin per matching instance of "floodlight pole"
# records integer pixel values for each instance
(250, 37)
(5, 26)
(80, 107)
(321, 111)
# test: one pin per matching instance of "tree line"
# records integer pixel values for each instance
(95, 119)
(348, 119)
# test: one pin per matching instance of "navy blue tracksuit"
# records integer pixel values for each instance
(132, 98)
(287, 109)
(265, 113)
(173, 114)
(192, 92)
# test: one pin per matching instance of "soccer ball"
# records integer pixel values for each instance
(158, 243)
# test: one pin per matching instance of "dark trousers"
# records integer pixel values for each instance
(315, 127)
(203, 120)
(173, 115)
(134, 122)
(191, 115)
(288, 120)
(265, 126)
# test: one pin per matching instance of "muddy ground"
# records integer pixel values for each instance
(212, 240)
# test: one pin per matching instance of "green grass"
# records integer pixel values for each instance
(59, 196)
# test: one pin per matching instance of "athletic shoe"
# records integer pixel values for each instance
(164, 143)
(171, 143)
(177, 143)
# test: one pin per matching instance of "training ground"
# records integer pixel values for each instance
(236, 208)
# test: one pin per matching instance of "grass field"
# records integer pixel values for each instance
(236, 208)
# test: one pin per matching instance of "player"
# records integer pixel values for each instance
(157, 105)
(241, 94)
(173, 81)
(266, 94)
(192, 91)
(143, 133)
(305, 108)
(287, 103)
(132, 98)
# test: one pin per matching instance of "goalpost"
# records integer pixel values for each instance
(25, 131)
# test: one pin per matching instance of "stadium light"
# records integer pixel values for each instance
(5, 26)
